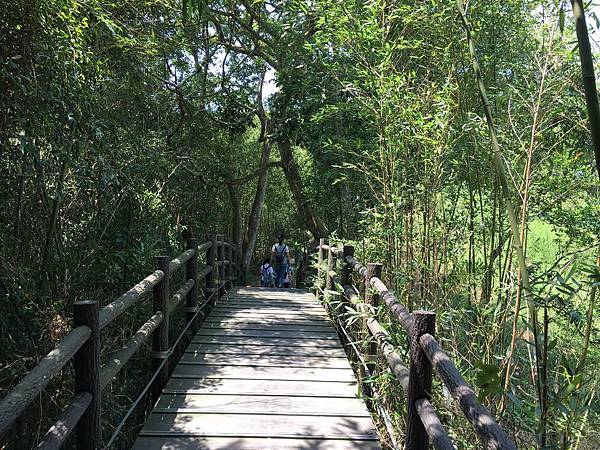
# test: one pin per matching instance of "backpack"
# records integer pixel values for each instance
(265, 275)
(279, 257)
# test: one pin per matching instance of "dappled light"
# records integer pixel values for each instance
(319, 224)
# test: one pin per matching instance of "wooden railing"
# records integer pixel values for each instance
(82, 344)
(426, 355)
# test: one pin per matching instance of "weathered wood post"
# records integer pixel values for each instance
(319, 283)
(238, 265)
(87, 376)
(331, 258)
(346, 275)
(229, 267)
(209, 279)
(221, 258)
(419, 382)
(371, 301)
(160, 338)
(191, 273)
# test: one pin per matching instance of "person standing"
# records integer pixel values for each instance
(267, 274)
(280, 257)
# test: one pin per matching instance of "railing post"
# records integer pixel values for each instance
(372, 302)
(330, 267)
(211, 253)
(319, 283)
(160, 338)
(346, 275)
(229, 267)
(87, 376)
(221, 258)
(191, 272)
(238, 265)
(419, 382)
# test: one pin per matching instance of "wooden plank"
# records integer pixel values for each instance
(259, 425)
(266, 370)
(278, 312)
(261, 404)
(270, 305)
(280, 303)
(282, 322)
(241, 315)
(319, 343)
(265, 360)
(233, 325)
(289, 388)
(247, 443)
(263, 373)
(325, 335)
(257, 350)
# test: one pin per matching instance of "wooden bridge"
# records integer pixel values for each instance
(266, 370)
(261, 368)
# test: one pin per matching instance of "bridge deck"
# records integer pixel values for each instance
(266, 370)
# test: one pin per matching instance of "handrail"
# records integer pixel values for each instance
(203, 247)
(484, 423)
(120, 358)
(83, 342)
(181, 259)
(422, 343)
(180, 294)
(35, 381)
(60, 431)
(129, 298)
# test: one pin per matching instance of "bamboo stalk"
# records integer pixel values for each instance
(501, 172)
(589, 78)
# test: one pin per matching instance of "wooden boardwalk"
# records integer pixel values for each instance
(266, 370)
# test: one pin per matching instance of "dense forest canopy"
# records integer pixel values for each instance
(127, 125)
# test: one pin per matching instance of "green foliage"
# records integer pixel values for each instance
(136, 122)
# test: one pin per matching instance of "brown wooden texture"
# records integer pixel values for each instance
(221, 263)
(86, 364)
(34, 382)
(129, 298)
(66, 423)
(118, 360)
(160, 338)
(191, 273)
(485, 425)
(262, 375)
(180, 295)
(330, 267)
(397, 309)
(321, 254)
(419, 381)
(372, 301)
(211, 260)
(346, 275)
(178, 262)
(435, 430)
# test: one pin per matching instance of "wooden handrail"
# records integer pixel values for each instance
(119, 359)
(78, 343)
(62, 428)
(180, 295)
(181, 259)
(129, 298)
(483, 422)
(21, 396)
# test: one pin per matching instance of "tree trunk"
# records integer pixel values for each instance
(44, 277)
(236, 214)
(259, 199)
(18, 224)
(313, 222)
